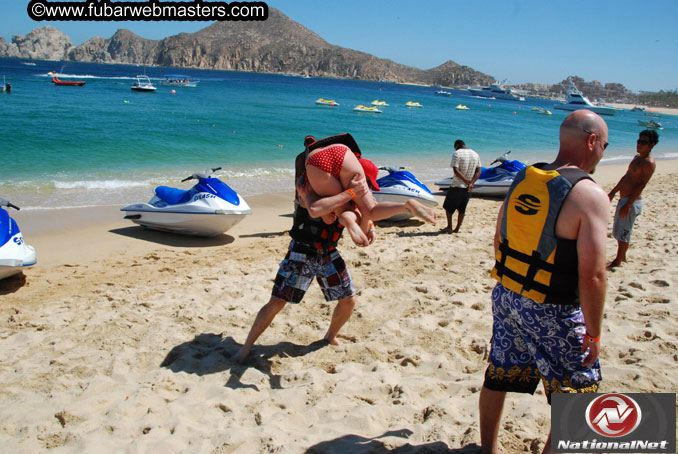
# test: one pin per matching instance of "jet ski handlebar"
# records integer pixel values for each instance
(390, 169)
(502, 158)
(200, 175)
(8, 204)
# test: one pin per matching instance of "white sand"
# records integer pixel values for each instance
(120, 339)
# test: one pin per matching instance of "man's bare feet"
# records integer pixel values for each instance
(615, 263)
(333, 341)
(422, 212)
(446, 230)
(241, 356)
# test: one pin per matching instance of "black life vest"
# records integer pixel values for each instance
(312, 235)
(532, 261)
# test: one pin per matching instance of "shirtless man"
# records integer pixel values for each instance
(629, 187)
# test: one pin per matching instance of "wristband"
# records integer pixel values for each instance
(590, 339)
(350, 191)
(371, 224)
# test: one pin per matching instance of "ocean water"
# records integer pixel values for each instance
(103, 144)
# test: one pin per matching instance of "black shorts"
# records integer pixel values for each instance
(456, 199)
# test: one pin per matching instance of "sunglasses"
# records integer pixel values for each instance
(643, 142)
(605, 144)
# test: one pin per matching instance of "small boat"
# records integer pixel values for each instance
(401, 186)
(143, 83)
(5, 87)
(28, 63)
(66, 83)
(638, 109)
(543, 111)
(576, 100)
(361, 108)
(326, 102)
(209, 208)
(179, 80)
(651, 124)
(15, 254)
(413, 104)
(443, 93)
(493, 181)
(462, 107)
(376, 102)
(495, 92)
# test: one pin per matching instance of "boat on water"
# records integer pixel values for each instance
(496, 92)
(378, 103)
(543, 111)
(362, 108)
(413, 104)
(638, 109)
(143, 83)
(576, 100)
(179, 80)
(5, 87)
(65, 83)
(400, 186)
(443, 93)
(326, 102)
(650, 124)
(462, 107)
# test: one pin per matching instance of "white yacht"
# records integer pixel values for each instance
(143, 83)
(496, 92)
(576, 100)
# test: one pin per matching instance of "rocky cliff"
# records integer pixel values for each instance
(277, 45)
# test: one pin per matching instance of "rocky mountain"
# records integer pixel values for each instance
(277, 45)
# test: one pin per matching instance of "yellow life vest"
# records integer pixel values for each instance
(531, 260)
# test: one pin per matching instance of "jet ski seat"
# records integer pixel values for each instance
(172, 196)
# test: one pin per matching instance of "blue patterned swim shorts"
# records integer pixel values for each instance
(533, 342)
(297, 270)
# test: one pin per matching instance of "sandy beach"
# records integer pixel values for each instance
(120, 339)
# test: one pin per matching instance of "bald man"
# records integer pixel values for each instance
(550, 263)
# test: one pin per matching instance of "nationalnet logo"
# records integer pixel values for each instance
(613, 415)
(613, 423)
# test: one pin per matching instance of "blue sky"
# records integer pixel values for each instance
(625, 41)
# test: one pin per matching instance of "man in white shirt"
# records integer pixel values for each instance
(466, 165)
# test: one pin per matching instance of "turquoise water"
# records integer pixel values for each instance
(103, 144)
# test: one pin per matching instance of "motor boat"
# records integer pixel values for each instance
(413, 104)
(143, 83)
(65, 83)
(495, 92)
(493, 181)
(576, 100)
(209, 208)
(400, 186)
(462, 107)
(15, 254)
(326, 102)
(5, 87)
(378, 103)
(178, 80)
(443, 93)
(543, 111)
(651, 124)
(361, 108)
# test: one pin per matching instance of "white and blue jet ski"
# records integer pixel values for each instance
(493, 181)
(400, 186)
(209, 208)
(15, 254)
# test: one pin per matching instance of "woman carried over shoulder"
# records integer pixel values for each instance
(335, 165)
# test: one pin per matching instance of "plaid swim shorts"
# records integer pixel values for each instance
(533, 342)
(297, 270)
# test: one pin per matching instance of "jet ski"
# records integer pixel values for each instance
(493, 181)
(15, 255)
(400, 186)
(209, 208)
